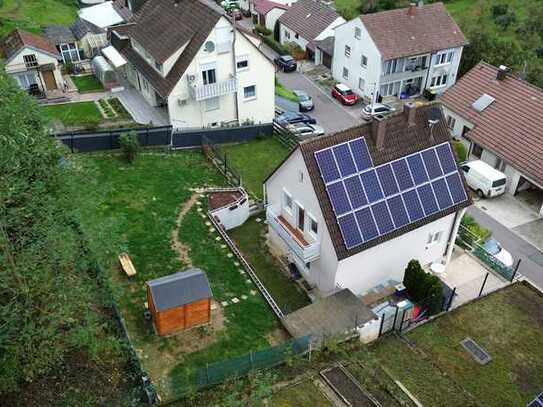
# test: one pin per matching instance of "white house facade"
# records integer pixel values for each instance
(304, 229)
(219, 78)
(398, 53)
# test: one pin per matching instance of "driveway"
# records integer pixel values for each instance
(531, 257)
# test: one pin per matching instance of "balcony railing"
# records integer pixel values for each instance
(213, 90)
(304, 250)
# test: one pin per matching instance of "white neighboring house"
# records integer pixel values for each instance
(187, 57)
(499, 118)
(307, 21)
(267, 12)
(349, 250)
(33, 61)
(399, 52)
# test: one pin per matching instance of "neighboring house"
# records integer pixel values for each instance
(266, 12)
(352, 209)
(66, 43)
(399, 52)
(33, 61)
(90, 38)
(500, 120)
(103, 15)
(187, 57)
(307, 21)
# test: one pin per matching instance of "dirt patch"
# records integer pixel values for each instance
(277, 336)
(183, 250)
(527, 300)
(220, 199)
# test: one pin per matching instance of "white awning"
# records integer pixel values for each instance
(113, 56)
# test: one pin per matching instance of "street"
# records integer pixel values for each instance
(531, 264)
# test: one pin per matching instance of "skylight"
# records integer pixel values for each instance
(483, 102)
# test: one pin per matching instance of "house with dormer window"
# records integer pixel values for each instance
(399, 53)
(188, 58)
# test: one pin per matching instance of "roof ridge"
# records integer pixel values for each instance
(510, 75)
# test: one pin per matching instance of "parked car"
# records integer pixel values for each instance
(493, 247)
(235, 13)
(483, 179)
(305, 130)
(287, 118)
(375, 109)
(344, 94)
(286, 63)
(305, 102)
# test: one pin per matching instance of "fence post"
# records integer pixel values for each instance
(451, 298)
(147, 137)
(72, 142)
(395, 315)
(310, 350)
(401, 322)
(483, 286)
(515, 270)
(381, 325)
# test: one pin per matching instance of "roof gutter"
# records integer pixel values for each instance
(234, 70)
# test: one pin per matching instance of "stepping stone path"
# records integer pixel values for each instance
(241, 272)
(218, 238)
(252, 292)
(235, 300)
(258, 220)
(203, 216)
(223, 246)
(236, 263)
(229, 255)
(244, 297)
(198, 203)
(199, 209)
(248, 281)
(212, 229)
(224, 303)
(208, 223)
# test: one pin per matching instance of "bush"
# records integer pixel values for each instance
(262, 30)
(499, 10)
(69, 68)
(423, 288)
(475, 232)
(506, 20)
(130, 146)
(460, 151)
(295, 50)
(281, 50)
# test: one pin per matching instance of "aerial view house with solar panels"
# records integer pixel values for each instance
(399, 52)
(352, 209)
(499, 118)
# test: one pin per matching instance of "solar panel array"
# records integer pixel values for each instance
(537, 402)
(371, 201)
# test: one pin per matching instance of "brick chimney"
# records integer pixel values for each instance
(502, 72)
(410, 111)
(378, 129)
(412, 10)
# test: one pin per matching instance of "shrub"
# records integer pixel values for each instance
(262, 30)
(129, 146)
(505, 20)
(475, 232)
(460, 151)
(281, 50)
(499, 10)
(69, 68)
(295, 50)
(423, 288)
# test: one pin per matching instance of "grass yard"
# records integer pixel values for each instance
(432, 364)
(255, 160)
(140, 203)
(87, 83)
(304, 394)
(251, 241)
(84, 114)
(33, 15)
(286, 93)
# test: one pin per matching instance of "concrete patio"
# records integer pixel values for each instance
(139, 109)
(507, 210)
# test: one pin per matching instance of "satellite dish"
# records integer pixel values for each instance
(209, 46)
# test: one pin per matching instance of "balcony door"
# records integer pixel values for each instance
(209, 75)
(300, 217)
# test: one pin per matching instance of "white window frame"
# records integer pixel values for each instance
(357, 33)
(212, 104)
(347, 51)
(313, 220)
(439, 81)
(286, 199)
(444, 58)
(363, 61)
(345, 73)
(244, 58)
(361, 83)
(451, 122)
(249, 98)
(434, 238)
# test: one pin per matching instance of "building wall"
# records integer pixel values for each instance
(387, 261)
(451, 69)
(345, 35)
(16, 66)
(294, 178)
(272, 17)
(287, 35)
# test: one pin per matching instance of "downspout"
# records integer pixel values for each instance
(236, 105)
(452, 237)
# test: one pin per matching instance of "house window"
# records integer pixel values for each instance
(476, 150)
(434, 237)
(313, 225)
(296, 36)
(249, 92)
(212, 104)
(361, 83)
(209, 76)
(438, 81)
(242, 64)
(347, 51)
(444, 58)
(69, 53)
(451, 121)
(287, 201)
(30, 61)
(345, 73)
(357, 33)
(26, 80)
(364, 61)
(287, 35)
(393, 65)
(390, 89)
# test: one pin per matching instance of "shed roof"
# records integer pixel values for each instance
(265, 6)
(178, 289)
(59, 34)
(82, 27)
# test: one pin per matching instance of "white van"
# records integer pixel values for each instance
(484, 179)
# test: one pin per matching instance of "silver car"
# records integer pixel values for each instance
(305, 130)
(375, 109)
(305, 102)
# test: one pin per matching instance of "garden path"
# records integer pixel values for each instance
(182, 249)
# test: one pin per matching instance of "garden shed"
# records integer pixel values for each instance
(179, 301)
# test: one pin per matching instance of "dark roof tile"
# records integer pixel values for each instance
(18, 39)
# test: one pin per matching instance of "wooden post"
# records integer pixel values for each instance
(310, 350)
(483, 286)
(381, 326)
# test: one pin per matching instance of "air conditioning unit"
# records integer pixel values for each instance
(181, 102)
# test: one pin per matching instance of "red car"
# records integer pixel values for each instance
(344, 94)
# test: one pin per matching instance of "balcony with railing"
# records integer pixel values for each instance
(404, 68)
(213, 90)
(294, 239)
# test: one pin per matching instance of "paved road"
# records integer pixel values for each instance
(531, 258)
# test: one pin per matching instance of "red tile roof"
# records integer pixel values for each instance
(512, 126)
(265, 6)
(18, 39)
(398, 34)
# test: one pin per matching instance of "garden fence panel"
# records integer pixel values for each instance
(188, 138)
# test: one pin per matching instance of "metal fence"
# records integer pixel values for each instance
(285, 137)
(187, 138)
(218, 158)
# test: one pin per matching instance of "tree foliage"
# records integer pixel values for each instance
(422, 287)
(46, 291)
(130, 146)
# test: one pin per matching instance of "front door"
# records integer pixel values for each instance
(49, 79)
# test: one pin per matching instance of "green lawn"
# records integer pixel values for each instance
(251, 241)
(436, 369)
(280, 90)
(84, 114)
(305, 394)
(139, 204)
(87, 83)
(33, 15)
(255, 160)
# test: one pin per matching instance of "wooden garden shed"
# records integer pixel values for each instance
(179, 301)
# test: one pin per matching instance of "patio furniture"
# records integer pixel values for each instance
(126, 264)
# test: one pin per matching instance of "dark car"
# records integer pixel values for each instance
(286, 63)
(287, 118)
(344, 94)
